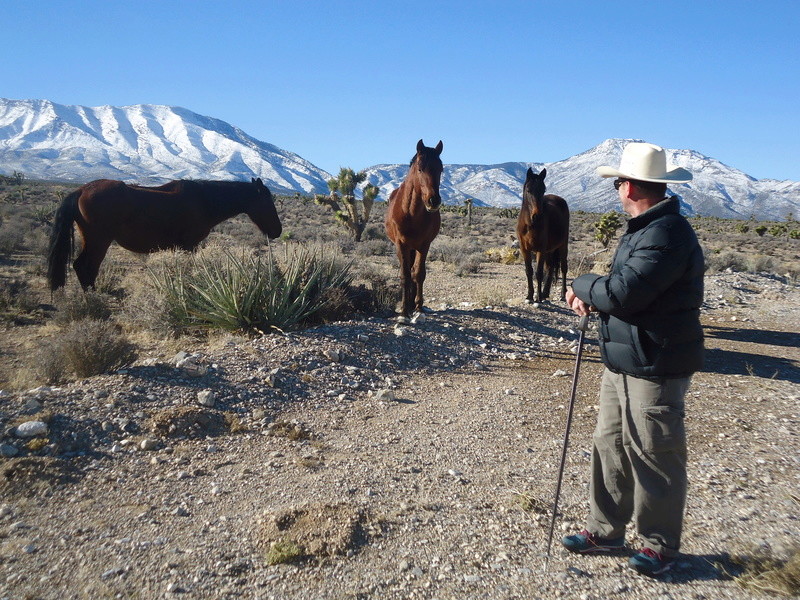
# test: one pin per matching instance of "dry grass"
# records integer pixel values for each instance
(766, 574)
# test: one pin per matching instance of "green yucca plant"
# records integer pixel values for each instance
(239, 290)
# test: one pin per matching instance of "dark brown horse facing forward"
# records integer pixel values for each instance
(179, 214)
(543, 229)
(413, 221)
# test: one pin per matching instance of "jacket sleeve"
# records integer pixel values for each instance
(654, 264)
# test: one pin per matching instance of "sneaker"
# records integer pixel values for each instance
(587, 543)
(649, 562)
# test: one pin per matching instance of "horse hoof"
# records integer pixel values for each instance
(535, 305)
(403, 320)
(417, 316)
(528, 301)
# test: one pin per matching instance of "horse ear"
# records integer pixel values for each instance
(420, 146)
(439, 147)
(543, 174)
(530, 174)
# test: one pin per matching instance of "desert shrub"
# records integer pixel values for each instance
(12, 237)
(451, 250)
(241, 290)
(761, 230)
(505, 255)
(110, 277)
(735, 261)
(383, 293)
(762, 264)
(374, 248)
(467, 264)
(74, 304)
(742, 227)
(16, 297)
(778, 230)
(83, 349)
(794, 234)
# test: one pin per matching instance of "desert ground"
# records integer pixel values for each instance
(360, 458)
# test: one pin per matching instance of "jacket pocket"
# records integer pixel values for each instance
(664, 429)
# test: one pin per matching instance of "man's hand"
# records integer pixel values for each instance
(578, 306)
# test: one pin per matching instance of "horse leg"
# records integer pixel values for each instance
(87, 265)
(526, 258)
(418, 276)
(551, 266)
(405, 256)
(540, 261)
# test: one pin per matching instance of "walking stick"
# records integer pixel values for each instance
(582, 325)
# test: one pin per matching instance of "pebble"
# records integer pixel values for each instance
(8, 451)
(31, 429)
(206, 398)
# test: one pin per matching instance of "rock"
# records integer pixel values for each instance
(8, 451)
(31, 429)
(31, 407)
(206, 398)
(148, 444)
(385, 395)
(332, 355)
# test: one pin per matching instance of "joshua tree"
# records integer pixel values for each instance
(343, 190)
(607, 228)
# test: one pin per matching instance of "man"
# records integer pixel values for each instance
(651, 343)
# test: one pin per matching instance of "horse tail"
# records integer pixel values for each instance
(62, 240)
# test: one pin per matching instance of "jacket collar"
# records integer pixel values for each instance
(670, 206)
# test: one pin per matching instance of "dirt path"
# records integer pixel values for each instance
(412, 463)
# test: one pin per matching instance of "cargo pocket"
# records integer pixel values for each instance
(665, 429)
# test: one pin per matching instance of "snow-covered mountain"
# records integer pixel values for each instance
(151, 144)
(144, 144)
(716, 190)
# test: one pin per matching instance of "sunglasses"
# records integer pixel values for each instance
(619, 182)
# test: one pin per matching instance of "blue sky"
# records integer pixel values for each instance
(358, 83)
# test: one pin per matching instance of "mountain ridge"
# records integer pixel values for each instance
(149, 144)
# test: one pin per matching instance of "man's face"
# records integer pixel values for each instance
(622, 186)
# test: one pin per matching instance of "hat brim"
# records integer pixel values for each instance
(676, 175)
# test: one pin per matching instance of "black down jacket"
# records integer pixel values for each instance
(650, 303)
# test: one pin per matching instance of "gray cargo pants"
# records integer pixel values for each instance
(639, 460)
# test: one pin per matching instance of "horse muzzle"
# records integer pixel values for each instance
(433, 204)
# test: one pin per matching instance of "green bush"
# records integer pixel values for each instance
(241, 290)
(606, 228)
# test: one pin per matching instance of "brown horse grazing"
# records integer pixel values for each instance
(413, 221)
(543, 229)
(179, 214)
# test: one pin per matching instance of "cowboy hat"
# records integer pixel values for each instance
(645, 162)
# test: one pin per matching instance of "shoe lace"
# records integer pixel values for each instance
(652, 554)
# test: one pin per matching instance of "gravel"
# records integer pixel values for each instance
(397, 461)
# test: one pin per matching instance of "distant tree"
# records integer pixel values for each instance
(607, 228)
(342, 190)
(761, 230)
